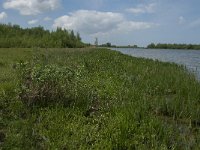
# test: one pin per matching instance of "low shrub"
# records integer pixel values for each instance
(45, 84)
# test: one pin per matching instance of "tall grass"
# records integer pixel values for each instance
(96, 99)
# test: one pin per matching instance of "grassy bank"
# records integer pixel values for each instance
(95, 99)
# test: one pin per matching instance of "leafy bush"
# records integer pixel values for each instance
(45, 84)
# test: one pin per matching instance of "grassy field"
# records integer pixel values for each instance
(95, 99)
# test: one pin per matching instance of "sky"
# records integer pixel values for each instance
(120, 22)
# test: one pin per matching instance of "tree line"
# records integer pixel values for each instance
(108, 44)
(174, 46)
(15, 36)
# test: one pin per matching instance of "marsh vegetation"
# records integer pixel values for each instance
(95, 99)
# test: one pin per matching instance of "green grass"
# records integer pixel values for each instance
(95, 99)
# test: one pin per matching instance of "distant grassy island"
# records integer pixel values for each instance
(173, 46)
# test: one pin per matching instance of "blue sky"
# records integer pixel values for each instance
(121, 22)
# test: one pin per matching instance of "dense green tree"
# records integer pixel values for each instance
(152, 45)
(15, 36)
(78, 36)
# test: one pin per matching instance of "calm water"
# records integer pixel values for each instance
(188, 58)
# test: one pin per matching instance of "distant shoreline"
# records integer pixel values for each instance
(158, 46)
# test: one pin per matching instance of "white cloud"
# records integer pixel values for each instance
(3, 15)
(89, 22)
(181, 20)
(31, 7)
(47, 19)
(31, 22)
(150, 8)
(95, 22)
